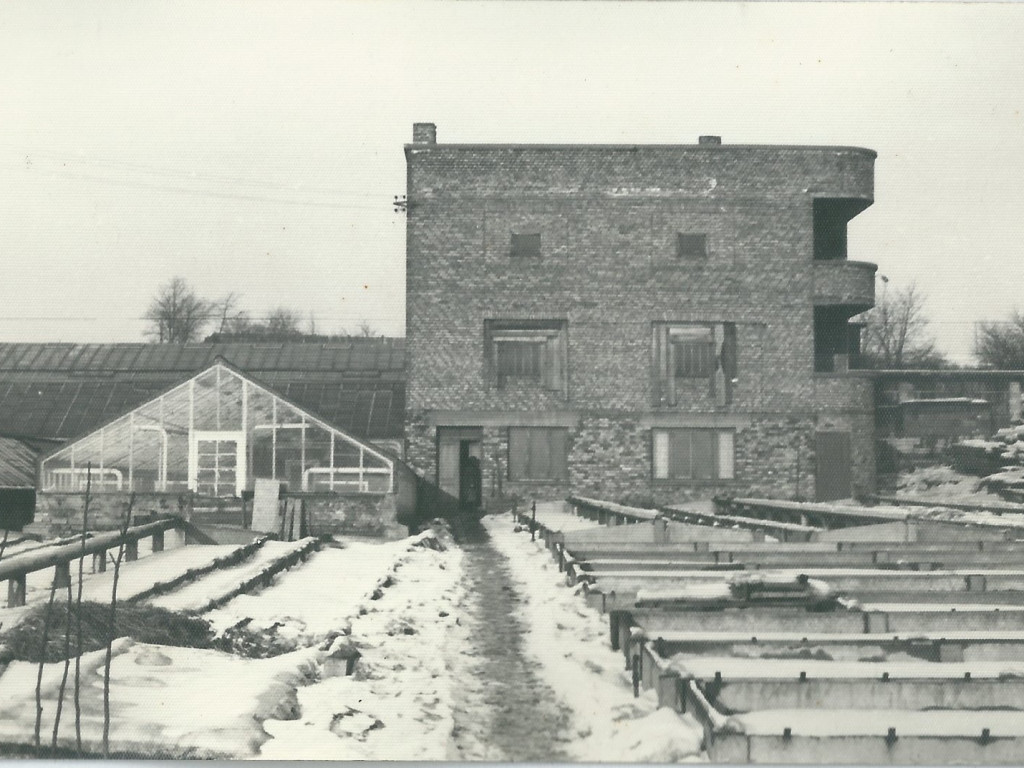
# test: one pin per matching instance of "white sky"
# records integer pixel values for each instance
(256, 146)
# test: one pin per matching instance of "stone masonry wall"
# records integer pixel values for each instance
(363, 514)
(60, 514)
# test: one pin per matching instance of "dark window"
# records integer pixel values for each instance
(693, 454)
(519, 358)
(690, 246)
(537, 453)
(693, 349)
(692, 352)
(526, 351)
(526, 245)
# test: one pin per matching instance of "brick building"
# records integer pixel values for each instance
(636, 322)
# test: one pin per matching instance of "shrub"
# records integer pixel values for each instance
(144, 623)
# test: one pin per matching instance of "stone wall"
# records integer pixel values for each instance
(363, 514)
(60, 514)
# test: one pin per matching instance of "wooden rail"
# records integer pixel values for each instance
(786, 531)
(609, 513)
(15, 569)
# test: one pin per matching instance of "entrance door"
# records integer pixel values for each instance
(459, 454)
(216, 463)
(833, 466)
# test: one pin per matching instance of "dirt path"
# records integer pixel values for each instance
(503, 710)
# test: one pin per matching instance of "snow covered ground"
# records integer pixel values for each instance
(570, 642)
(400, 605)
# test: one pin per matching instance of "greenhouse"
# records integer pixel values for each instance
(214, 435)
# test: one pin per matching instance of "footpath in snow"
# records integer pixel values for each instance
(565, 649)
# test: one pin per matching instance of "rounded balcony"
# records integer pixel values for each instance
(840, 282)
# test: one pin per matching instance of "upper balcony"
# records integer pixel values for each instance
(839, 282)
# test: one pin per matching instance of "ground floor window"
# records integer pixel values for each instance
(693, 454)
(537, 453)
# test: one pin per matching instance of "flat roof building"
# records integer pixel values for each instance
(645, 323)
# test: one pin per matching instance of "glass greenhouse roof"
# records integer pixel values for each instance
(214, 434)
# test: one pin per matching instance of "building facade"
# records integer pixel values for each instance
(645, 323)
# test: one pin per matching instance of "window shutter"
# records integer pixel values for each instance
(726, 456)
(540, 454)
(518, 453)
(679, 462)
(559, 454)
(704, 449)
(718, 374)
(554, 367)
(729, 360)
(660, 450)
(659, 364)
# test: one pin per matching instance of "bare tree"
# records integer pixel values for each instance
(367, 331)
(227, 313)
(896, 335)
(177, 314)
(1001, 344)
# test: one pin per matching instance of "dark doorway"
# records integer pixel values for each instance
(459, 456)
(833, 466)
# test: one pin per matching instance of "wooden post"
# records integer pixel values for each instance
(660, 530)
(613, 627)
(158, 541)
(533, 523)
(16, 591)
(131, 550)
(62, 575)
(99, 562)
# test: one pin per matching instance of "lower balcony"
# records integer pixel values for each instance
(840, 282)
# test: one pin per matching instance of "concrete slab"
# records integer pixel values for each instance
(871, 737)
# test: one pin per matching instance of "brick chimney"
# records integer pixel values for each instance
(424, 133)
(709, 140)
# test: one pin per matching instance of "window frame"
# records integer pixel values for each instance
(552, 339)
(665, 370)
(722, 458)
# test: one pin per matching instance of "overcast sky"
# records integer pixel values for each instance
(256, 146)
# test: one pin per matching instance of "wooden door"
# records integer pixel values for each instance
(833, 466)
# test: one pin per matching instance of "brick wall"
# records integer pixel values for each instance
(608, 218)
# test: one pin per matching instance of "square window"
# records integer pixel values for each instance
(531, 352)
(691, 246)
(526, 245)
(702, 455)
(538, 453)
(685, 354)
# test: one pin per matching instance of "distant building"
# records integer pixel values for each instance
(641, 322)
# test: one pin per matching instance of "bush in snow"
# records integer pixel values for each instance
(144, 623)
